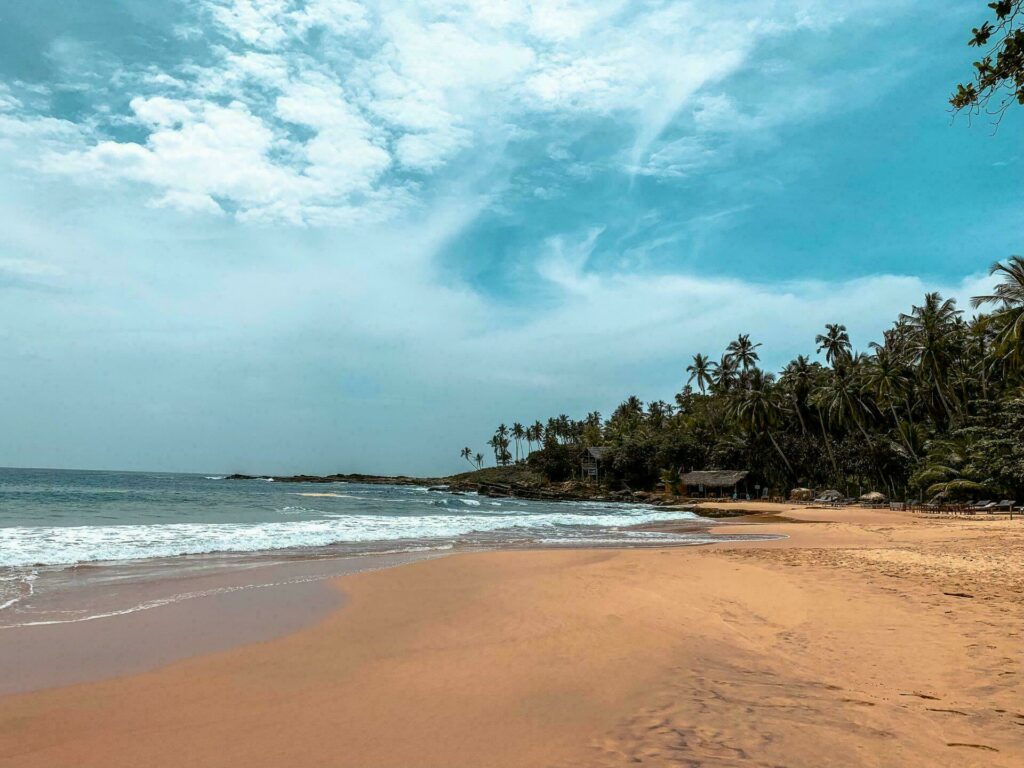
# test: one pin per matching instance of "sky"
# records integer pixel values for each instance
(331, 235)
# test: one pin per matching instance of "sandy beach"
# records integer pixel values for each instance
(864, 638)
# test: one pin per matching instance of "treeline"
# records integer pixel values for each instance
(933, 409)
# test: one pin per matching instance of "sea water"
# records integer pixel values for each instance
(91, 533)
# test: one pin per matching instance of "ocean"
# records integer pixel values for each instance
(70, 541)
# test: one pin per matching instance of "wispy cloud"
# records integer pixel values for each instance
(274, 234)
(330, 111)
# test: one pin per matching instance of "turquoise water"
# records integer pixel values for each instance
(50, 517)
(76, 546)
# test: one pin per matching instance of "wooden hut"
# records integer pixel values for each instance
(592, 462)
(716, 482)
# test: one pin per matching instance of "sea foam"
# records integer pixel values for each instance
(51, 545)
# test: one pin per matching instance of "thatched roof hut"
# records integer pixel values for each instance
(831, 495)
(718, 480)
(801, 494)
(874, 496)
(714, 478)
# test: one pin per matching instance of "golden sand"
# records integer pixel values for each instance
(866, 638)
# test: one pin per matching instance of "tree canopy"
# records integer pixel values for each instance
(934, 408)
(999, 74)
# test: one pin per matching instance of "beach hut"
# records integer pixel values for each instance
(874, 498)
(720, 482)
(801, 494)
(592, 462)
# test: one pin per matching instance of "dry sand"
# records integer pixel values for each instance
(867, 638)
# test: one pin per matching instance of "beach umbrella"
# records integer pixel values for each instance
(831, 494)
(873, 496)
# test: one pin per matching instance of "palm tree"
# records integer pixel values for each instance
(518, 433)
(499, 444)
(467, 454)
(741, 351)
(724, 375)
(839, 403)
(929, 332)
(841, 396)
(798, 379)
(890, 383)
(941, 474)
(479, 458)
(836, 343)
(1009, 317)
(700, 370)
(538, 432)
(757, 409)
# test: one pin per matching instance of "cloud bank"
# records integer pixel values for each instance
(337, 235)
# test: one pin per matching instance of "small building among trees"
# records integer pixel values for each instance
(592, 462)
(716, 482)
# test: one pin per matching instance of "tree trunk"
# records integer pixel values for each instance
(789, 467)
(828, 448)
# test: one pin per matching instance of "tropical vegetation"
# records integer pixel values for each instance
(935, 408)
(998, 79)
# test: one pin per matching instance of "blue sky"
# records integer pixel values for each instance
(286, 235)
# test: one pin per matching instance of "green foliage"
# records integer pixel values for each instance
(999, 75)
(555, 460)
(935, 407)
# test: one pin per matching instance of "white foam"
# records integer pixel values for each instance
(182, 596)
(24, 587)
(328, 495)
(45, 545)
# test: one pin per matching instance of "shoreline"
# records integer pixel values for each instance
(167, 609)
(889, 637)
(177, 617)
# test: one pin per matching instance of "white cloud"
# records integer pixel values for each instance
(8, 101)
(341, 17)
(394, 91)
(255, 22)
(161, 112)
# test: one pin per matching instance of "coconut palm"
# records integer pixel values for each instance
(890, 383)
(479, 458)
(1009, 315)
(757, 409)
(841, 396)
(930, 330)
(499, 443)
(700, 371)
(798, 381)
(518, 433)
(835, 342)
(724, 375)
(742, 351)
(467, 454)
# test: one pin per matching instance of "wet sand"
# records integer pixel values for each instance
(164, 619)
(866, 638)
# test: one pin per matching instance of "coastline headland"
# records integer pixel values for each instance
(495, 482)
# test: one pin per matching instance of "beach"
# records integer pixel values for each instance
(861, 638)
